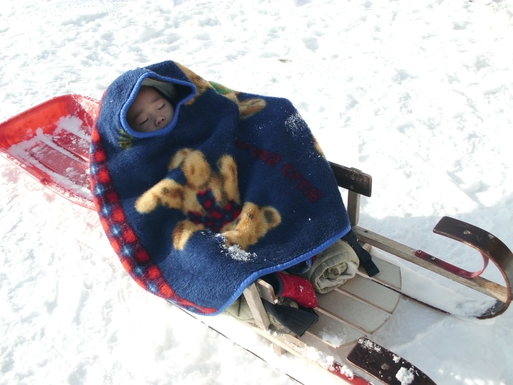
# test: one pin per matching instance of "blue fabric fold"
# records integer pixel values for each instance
(233, 188)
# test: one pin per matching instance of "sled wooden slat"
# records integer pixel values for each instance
(342, 321)
(357, 309)
(372, 299)
(360, 287)
(356, 312)
(333, 331)
(389, 274)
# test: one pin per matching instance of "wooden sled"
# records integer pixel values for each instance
(51, 142)
(361, 306)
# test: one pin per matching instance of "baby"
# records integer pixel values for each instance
(150, 111)
(165, 112)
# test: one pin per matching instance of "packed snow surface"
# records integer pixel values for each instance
(419, 94)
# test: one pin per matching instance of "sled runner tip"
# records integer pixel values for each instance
(491, 249)
(385, 365)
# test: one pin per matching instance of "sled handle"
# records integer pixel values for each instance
(352, 179)
(484, 242)
(490, 248)
(460, 231)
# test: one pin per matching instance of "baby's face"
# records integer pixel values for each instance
(150, 111)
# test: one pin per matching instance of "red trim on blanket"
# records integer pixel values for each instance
(133, 256)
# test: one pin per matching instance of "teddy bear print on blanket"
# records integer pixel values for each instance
(210, 200)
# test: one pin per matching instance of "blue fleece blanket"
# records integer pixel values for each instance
(234, 187)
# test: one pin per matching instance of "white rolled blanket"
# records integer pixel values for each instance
(333, 267)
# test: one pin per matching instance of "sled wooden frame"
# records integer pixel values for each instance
(354, 311)
(490, 247)
(357, 184)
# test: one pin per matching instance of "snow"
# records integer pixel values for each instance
(417, 94)
(72, 124)
(405, 376)
(234, 251)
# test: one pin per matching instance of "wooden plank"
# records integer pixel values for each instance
(358, 307)
(389, 273)
(266, 291)
(353, 207)
(257, 308)
(334, 332)
(373, 292)
(353, 311)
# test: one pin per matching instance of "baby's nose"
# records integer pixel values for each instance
(159, 120)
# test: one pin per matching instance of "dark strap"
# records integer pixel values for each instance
(363, 255)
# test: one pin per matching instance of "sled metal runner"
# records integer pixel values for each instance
(57, 155)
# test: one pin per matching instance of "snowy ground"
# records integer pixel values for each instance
(418, 94)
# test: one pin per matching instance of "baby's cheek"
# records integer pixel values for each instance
(171, 112)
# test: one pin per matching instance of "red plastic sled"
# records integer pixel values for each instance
(51, 142)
